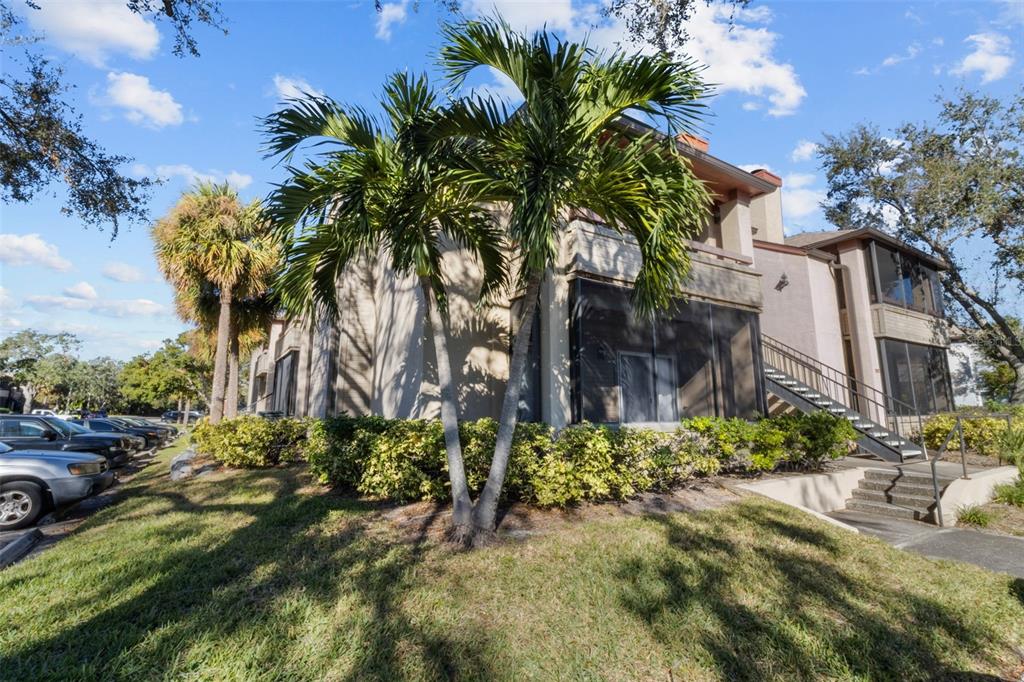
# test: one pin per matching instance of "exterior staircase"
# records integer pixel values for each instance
(897, 493)
(794, 380)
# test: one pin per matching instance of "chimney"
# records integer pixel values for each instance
(768, 176)
(698, 143)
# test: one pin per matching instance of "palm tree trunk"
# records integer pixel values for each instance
(188, 408)
(220, 358)
(231, 397)
(486, 510)
(462, 507)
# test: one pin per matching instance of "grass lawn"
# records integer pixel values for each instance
(258, 575)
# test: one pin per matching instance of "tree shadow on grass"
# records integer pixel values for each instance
(285, 585)
(775, 598)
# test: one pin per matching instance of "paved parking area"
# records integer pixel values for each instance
(58, 525)
(994, 551)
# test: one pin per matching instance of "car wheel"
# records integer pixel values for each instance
(21, 503)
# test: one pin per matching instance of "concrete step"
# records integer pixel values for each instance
(897, 497)
(903, 488)
(904, 476)
(886, 509)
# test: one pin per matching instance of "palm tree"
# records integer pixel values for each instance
(210, 238)
(251, 317)
(562, 150)
(382, 188)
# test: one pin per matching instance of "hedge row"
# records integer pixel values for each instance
(404, 460)
(983, 435)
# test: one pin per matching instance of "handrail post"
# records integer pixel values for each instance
(938, 498)
(963, 450)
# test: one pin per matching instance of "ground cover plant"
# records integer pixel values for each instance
(259, 575)
(405, 459)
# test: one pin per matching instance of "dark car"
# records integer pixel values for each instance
(31, 432)
(150, 438)
(167, 431)
(175, 416)
(34, 481)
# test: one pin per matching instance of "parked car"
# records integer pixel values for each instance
(150, 437)
(174, 416)
(33, 482)
(32, 432)
(168, 431)
(44, 413)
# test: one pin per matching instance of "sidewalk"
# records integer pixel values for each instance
(994, 551)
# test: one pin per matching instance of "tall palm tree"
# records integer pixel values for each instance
(251, 317)
(382, 187)
(561, 150)
(209, 237)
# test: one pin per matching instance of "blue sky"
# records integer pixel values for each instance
(786, 73)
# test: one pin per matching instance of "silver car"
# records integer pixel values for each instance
(35, 481)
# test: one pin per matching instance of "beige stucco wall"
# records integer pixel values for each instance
(766, 217)
(805, 313)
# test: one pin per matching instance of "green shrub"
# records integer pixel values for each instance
(406, 462)
(821, 436)
(982, 435)
(250, 441)
(1011, 493)
(338, 447)
(1011, 446)
(973, 516)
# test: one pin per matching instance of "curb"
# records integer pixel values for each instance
(20, 547)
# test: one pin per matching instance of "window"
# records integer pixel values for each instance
(285, 383)
(99, 426)
(694, 359)
(916, 376)
(23, 428)
(903, 280)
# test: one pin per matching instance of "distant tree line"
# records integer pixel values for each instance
(43, 370)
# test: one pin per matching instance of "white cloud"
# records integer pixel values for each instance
(908, 54)
(741, 57)
(108, 308)
(804, 151)
(991, 57)
(293, 87)
(122, 272)
(31, 249)
(142, 103)
(739, 53)
(799, 199)
(799, 180)
(82, 290)
(93, 31)
(10, 323)
(751, 167)
(500, 87)
(390, 13)
(191, 176)
(238, 180)
(557, 15)
(6, 299)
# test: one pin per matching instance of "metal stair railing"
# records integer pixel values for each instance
(958, 429)
(867, 401)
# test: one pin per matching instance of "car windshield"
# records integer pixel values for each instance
(64, 428)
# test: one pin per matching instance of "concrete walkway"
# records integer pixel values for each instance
(996, 552)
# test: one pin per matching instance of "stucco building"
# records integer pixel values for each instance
(858, 303)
